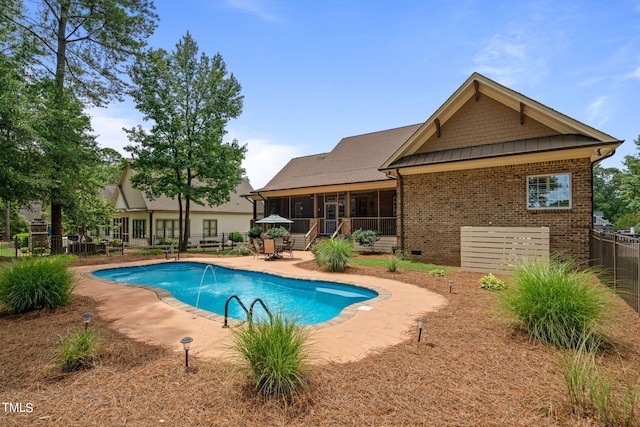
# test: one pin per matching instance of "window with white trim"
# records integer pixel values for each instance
(549, 191)
(210, 227)
(167, 228)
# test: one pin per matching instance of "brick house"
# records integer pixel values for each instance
(489, 156)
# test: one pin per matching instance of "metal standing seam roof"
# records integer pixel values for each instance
(355, 159)
(498, 149)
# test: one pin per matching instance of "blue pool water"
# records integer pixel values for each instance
(309, 301)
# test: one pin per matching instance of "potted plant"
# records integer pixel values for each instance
(274, 232)
(255, 232)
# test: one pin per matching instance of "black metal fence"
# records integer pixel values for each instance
(619, 257)
(25, 246)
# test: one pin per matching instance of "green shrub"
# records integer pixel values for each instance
(492, 283)
(22, 240)
(236, 236)
(334, 252)
(366, 238)
(556, 303)
(162, 242)
(152, 251)
(392, 264)
(78, 350)
(276, 354)
(36, 283)
(274, 232)
(255, 232)
(242, 249)
(438, 272)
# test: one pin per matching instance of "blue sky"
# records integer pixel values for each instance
(313, 72)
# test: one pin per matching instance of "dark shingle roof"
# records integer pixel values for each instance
(355, 159)
(498, 149)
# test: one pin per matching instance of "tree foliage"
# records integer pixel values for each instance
(607, 197)
(189, 99)
(630, 185)
(84, 46)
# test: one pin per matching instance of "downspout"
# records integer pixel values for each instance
(401, 216)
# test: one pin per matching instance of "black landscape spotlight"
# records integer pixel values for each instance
(186, 344)
(86, 318)
(421, 322)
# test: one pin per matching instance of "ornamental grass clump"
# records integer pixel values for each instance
(333, 252)
(276, 354)
(36, 283)
(78, 350)
(558, 304)
(612, 396)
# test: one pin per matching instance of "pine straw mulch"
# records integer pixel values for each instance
(471, 368)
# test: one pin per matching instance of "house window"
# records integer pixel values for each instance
(139, 228)
(167, 228)
(549, 191)
(210, 227)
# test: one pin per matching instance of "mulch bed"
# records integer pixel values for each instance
(470, 368)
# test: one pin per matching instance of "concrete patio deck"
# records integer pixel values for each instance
(157, 318)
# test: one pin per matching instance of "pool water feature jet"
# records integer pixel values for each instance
(215, 282)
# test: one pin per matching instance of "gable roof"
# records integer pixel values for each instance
(355, 159)
(477, 85)
(130, 199)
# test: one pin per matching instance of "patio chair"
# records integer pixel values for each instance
(269, 249)
(289, 247)
(259, 249)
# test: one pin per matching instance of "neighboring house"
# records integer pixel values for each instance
(600, 223)
(488, 156)
(142, 221)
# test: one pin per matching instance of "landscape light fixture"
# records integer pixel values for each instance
(186, 344)
(450, 285)
(86, 318)
(421, 322)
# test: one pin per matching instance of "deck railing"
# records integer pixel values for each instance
(385, 226)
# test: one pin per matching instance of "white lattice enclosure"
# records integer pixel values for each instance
(499, 249)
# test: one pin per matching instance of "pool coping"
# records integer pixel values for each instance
(144, 314)
(166, 296)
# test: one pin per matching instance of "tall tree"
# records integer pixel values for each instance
(606, 193)
(189, 99)
(19, 173)
(630, 185)
(85, 46)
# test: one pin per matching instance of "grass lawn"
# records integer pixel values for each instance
(383, 261)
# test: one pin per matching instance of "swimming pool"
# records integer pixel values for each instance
(209, 286)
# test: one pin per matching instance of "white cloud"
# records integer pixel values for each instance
(598, 112)
(107, 126)
(253, 6)
(264, 159)
(515, 56)
(635, 74)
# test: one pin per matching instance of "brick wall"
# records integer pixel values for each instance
(438, 204)
(484, 122)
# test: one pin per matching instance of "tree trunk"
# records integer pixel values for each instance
(7, 222)
(61, 52)
(187, 225)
